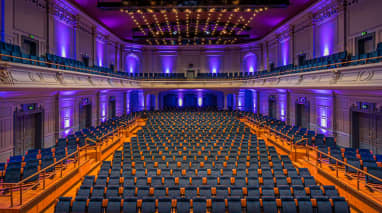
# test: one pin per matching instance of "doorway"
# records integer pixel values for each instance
(302, 112)
(366, 129)
(272, 106)
(28, 128)
(85, 114)
(29, 46)
(111, 108)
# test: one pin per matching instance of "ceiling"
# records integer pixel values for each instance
(180, 26)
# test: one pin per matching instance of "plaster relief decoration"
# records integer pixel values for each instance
(90, 80)
(5, 76)
(300, 79)
(60, 77)
(336, 75)
(365, 75)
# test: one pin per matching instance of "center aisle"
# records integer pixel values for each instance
(200, 161)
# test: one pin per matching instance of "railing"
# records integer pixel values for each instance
(25, 186)
(339, 164)
(60, 66)
(259, 74)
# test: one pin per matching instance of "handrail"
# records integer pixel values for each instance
(60, 65)
(24, 182)
(346, 164)
(21, 184)
(259, 74)
(307, 147)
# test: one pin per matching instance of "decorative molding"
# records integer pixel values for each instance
(5, 77)
(14, 75)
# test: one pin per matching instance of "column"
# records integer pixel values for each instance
(93, 60)
(267, 52)
(157, 107)
(121, 59)
(262, 56)
(277, 48)
(225, 107)
(288, 107)
(116, 57)
(313, 55)
(77, 38)
(291, 45)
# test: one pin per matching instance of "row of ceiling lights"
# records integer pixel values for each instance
(188, 13)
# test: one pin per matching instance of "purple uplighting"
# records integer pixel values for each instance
(282, 103)
(284, 52)
(168, 63)
(249, 62)
(323, 113)
(326, 38)
(132, 63)
(214, 63)
(180, 100)
(67, 112)
(103, 99)
(100, 51)
(64, 39)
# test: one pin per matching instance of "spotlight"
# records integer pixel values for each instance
(207, 32)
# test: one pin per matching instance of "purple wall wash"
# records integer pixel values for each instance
(254, 98)
(66, 115)
(326, 38)
(100, 52)
(132, 63)
(64, 38)
(324, 105)
(214, 62)
(284, 45)
(168, 63)
(282, 100)
(128, 102)
(249, 62)
(103, 103)
(180, 99)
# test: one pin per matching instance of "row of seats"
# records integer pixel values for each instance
(206, 191)
(199, 181)
(158, 164)
(13, 53)
(362, 159)
(202, 205)
(23, 166)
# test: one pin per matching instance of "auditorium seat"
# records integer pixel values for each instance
(323, 205)
(130, 205)
(217, 205)
(114, 205)
(269, 204)
(288, 205)
(95, 205)
(199, 205)
(63, 205)
(305, 204)
(79, 205)
(340, 205)
(183, 205)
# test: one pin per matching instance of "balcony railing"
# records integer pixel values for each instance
(201, 76)
(319, 158)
